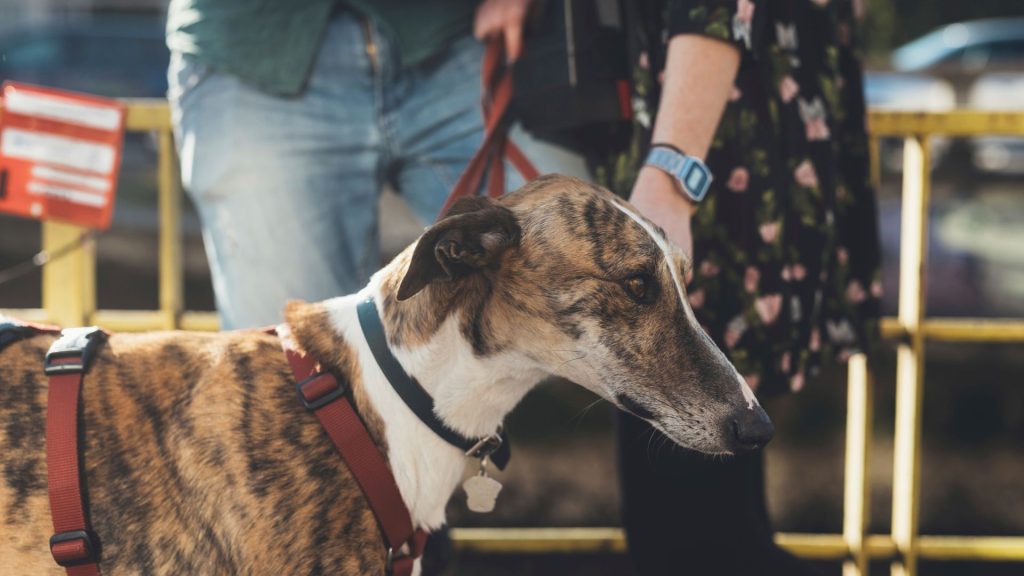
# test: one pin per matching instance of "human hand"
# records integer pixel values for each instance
(656, 197)
(503, 18)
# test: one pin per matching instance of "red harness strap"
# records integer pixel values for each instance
(74, 545)
(321, 393)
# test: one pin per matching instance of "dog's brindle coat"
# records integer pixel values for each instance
(198, 458)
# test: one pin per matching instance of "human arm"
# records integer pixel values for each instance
(699, 75)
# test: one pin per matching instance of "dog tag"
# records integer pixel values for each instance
(481, 493)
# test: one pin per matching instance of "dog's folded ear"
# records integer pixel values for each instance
(472, 235)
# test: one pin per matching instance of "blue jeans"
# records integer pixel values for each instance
(288, 188)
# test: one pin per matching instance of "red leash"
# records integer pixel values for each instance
(496, 147)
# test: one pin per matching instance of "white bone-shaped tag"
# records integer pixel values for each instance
(481, 493)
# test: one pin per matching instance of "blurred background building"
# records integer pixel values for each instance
(931, 56)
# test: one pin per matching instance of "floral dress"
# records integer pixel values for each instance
(786, 250)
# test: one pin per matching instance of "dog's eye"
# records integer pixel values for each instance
(640, 288)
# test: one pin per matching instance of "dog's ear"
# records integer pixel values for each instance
(472, 235)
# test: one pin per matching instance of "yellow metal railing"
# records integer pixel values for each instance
(69, 298)
(69, 284)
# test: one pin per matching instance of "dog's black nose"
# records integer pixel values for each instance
(751, 428)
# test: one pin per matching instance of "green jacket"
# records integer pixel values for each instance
(271, 44)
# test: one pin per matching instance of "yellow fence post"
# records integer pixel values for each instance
(69, 282)
(875, 159)
(910, 353)
(172, 285)
(857, 486)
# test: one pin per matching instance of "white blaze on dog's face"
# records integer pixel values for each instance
(571, 278)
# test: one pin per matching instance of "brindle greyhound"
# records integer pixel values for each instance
(199, 460)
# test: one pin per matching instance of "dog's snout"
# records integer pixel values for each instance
(752, 428)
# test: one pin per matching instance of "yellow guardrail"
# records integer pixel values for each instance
(69, 298)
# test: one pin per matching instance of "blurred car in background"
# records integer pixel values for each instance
(959, 53)
(974, 262)
(938, 72)
(896, 92)
(998, 92)
(106, 54)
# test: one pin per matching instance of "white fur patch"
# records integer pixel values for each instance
(427, 469)
(472, 395)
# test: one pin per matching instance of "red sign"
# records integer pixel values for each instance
(60, 153)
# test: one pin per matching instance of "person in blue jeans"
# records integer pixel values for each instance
(290, 116)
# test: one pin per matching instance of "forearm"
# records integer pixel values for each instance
(699, 75)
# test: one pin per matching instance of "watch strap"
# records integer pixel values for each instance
(693, 175)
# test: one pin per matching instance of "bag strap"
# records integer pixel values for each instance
(496, 80)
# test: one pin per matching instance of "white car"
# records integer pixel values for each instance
(900, 92)
(963, 51)
(938, 71)
(998, 92)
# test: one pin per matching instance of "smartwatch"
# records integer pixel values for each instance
(693, 175)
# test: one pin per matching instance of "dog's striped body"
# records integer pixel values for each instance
(198, 460)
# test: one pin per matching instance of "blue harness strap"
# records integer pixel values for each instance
(12, 330)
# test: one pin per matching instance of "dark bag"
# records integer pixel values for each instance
(489, 159)
(572, 82)
(569, 87)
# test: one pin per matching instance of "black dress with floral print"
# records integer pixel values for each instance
(786, 255)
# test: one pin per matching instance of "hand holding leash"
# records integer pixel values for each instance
(503, 18)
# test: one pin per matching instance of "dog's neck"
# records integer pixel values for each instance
(472, 394)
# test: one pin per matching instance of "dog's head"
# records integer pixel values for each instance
(574, 281)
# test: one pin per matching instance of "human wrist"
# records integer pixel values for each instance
(691, 176)
(656, 186)
(681, 142)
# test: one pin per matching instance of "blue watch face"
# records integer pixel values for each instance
(696, 180)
